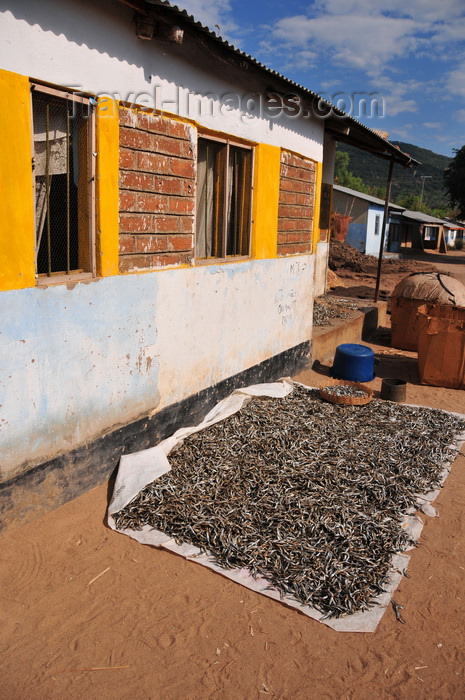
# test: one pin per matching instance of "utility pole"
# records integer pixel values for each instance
(383, 228)
(423, 178)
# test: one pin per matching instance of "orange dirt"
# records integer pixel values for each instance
(357, 272)
(89, 613)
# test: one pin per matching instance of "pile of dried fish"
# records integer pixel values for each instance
(345, 390)
(328, 307)
(323, 313)
(344, 302)
(308, 494)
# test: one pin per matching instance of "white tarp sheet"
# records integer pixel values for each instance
(141, 468)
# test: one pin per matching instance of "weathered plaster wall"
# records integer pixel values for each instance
(74, 363)
(221, 319)
(81, 361)
(94, 46)
(321, 259)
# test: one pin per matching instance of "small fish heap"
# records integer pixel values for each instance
(323, 313)
(328, 307)
(345, 390)
(309, 495)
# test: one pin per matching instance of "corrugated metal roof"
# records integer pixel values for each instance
(391, 151)
(367, 197)
(423, 218)
(202, 28)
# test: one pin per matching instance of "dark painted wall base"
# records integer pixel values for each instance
(63, 478)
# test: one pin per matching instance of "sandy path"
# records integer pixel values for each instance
(185, 632)
(453, 263)
(362, 284)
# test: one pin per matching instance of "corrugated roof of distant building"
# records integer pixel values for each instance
(367, 197)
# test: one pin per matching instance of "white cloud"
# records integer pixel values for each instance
(301, 59)
(419, 10)
(330, 84)
(361, 41)
(371, 36)
(395, 106)
(395, 95)
(446, 33)
(455, 81)
(434, 125)
(215, 15)
(459, 115)
(452, 142)
(401, 132)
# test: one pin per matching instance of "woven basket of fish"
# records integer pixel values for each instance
(347, 393)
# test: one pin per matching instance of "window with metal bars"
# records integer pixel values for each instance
(63, 134)
(224, 197)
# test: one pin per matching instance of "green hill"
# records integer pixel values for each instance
(406, 182)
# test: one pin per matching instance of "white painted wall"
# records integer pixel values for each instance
(81, 361)
(372, 241)
(93, 46)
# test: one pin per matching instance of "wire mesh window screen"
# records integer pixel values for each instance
(61, 164)
(224, 193)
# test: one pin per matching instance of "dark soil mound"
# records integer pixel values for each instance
(343, 256)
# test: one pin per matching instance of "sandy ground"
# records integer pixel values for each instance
(88, 613)
(452, 263)
(362, 285)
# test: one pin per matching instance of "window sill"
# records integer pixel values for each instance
(44, 281)
(221, 261)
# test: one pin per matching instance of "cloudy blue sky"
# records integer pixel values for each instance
(412, 52)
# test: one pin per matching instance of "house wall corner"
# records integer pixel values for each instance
(17, 265)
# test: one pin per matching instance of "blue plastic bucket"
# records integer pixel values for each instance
(354, 362)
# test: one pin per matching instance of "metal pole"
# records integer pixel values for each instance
(423, 178)
(383, 233)
(68, 190)
(47, 188)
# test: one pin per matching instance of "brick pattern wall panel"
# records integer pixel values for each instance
(296, 202)
(157, 192)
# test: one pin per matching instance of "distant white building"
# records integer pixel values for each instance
(453, 232)
(365, 214)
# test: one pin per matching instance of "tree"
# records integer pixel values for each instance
(413, 202)
(454, 181)
(343, 176)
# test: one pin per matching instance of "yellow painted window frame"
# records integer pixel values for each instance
(267, 169)
(17, 239)
(17, 266)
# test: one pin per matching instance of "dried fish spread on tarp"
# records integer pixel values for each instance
(293, 497)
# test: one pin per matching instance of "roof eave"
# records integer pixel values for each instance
(367, 140)
(352, 132)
